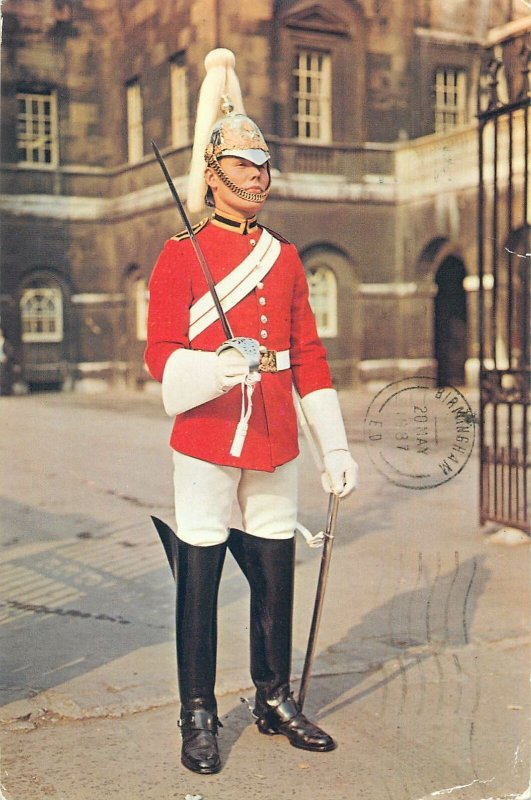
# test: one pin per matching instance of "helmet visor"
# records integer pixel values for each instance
(257, 157)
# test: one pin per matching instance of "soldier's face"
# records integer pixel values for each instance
(247, 176)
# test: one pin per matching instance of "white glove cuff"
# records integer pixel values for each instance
(190, 379)
(323, 413)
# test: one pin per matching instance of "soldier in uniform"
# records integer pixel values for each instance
(234, 436)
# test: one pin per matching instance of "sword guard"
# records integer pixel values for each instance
(249, 348)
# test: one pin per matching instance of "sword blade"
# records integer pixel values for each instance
(195, 244)
(333, 507)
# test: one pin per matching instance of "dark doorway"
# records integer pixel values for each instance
(450, 323)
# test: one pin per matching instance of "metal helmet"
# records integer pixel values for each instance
(238, 135)
(234, 134)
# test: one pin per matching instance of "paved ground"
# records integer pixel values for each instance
(422, 671)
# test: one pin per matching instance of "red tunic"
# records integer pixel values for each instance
(278, 307)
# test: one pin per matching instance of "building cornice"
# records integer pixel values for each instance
(492, 37)
(380, 189)
(435, 166)
(509, 31)
(448, 37)
(73, 208)
(88, 169)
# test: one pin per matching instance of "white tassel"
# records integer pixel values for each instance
(243, 426)
(220, 79)
(239, 439)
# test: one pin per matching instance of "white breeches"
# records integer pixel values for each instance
(210, 499)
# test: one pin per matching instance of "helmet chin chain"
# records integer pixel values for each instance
(252, 197)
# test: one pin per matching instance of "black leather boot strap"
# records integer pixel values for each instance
(285, 710)
(200, 720)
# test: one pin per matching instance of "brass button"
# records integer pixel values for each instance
(252, 242)
(262, 301)
(263, 319)
(259, 285)
(263, 334)
(262, 348)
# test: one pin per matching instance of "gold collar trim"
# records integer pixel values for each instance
(234, 224)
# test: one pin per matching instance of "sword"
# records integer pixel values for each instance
(329, 533)
(195, 244)
(249, 348)
(328, 541)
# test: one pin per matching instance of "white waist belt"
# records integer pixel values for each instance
(274, 361)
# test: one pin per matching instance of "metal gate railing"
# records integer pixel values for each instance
(504, 261)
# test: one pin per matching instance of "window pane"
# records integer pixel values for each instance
(37, 128)
(450, 99)
(180, 124)
(41, 313)
(135, 133)
(312, 96)
(323, 299)
(141, 302)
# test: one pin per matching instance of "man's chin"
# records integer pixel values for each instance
(255, 205)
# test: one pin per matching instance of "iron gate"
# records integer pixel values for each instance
(504, 260)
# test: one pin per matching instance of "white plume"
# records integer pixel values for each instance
(220, 79)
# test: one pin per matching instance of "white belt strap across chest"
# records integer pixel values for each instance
(235, 286)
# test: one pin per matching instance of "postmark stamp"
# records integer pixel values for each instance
(419, 435)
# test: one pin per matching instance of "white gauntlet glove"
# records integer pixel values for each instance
(233, 368)
(193, 377)
(322, 411)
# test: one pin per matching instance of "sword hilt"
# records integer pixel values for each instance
(249, 349)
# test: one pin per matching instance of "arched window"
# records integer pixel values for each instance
(323, 299)
(41, 312)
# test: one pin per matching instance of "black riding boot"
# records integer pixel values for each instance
(198, 575)
(268, 565)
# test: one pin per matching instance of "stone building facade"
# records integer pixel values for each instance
(369, 109)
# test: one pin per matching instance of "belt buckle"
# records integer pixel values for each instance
(268, 361)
